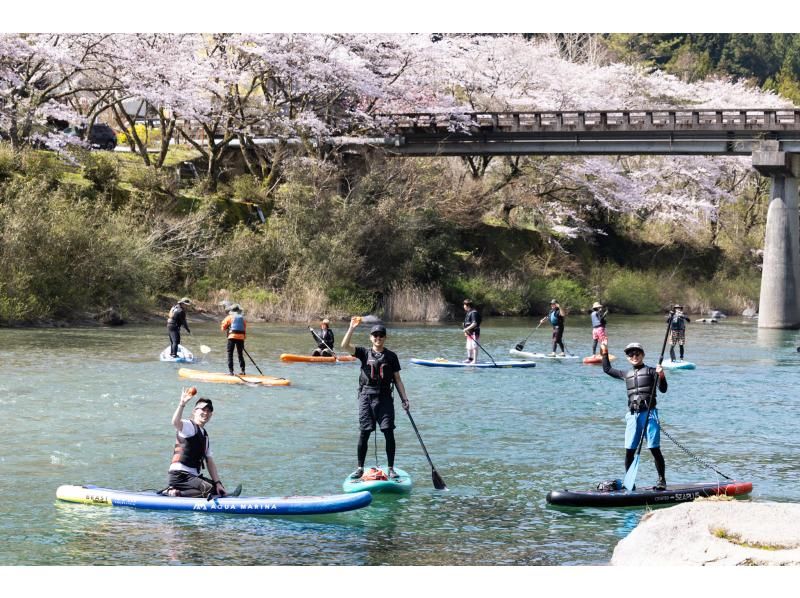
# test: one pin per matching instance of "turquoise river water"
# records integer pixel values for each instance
(94, 406)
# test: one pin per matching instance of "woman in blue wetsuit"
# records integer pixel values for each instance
(556, 317)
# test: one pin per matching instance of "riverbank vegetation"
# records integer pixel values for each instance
(298, 229)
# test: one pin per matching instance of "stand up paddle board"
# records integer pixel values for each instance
(668, 364)
(598, 359)
(527, 355)
(445, 363)
(402, 484)
(184, 355)
(639, 497)
(316, 358)
(224, 378)
(240, 505)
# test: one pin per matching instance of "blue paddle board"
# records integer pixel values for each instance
(400, 485)
(184, 355)
(240, 505)
(668, 364)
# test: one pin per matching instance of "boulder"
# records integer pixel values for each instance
(714, 531)
(749, 312)
(110, 317)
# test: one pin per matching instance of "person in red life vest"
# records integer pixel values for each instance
(193, 451)
(380, 373)
(176, 319)
(236, 327)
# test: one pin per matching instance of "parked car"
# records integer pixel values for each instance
(100, 136)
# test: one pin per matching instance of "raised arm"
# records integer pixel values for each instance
(354, 322)
(613, 372)
(186, 396)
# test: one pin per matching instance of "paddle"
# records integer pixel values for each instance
(484, 350)
(254, 363)
(205, 350)
(236, 492)
(438, 482)
(521, 346)
(630, 475)
(319, 338)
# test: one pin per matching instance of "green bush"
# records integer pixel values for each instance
(571, 295)
(633, 292)
(102, 170)
(8, 161)
(351, 299)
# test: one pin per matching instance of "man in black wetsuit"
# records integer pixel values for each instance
(642, 412)
(176, 319)
(677, 331)
(380, 372)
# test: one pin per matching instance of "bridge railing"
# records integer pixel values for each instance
(594, 120)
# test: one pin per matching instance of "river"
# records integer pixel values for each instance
(85, 405)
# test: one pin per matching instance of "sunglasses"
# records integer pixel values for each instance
(378, 334)
(635, 354)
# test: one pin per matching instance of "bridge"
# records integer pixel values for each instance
(770, 136)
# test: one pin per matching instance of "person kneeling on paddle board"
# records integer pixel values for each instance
(236, 327)
(324, 340)
(640, 380)
(192, 451)
(380, 372)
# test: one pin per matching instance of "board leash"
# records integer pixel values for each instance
(692, 455)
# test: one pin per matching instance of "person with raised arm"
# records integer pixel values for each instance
(379, 375)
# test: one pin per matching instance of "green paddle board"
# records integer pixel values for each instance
(403, 484)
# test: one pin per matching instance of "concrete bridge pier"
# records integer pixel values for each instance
(779, 303)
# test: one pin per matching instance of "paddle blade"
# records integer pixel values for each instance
(521, 346)
(205, 349)
(438, 482)
(630, 476)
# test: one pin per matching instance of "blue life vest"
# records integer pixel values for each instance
(237, 323)
(554, 317)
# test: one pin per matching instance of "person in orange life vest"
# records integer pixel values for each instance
(236, 327)
(176, 319)
(193, 451)
(380, 372)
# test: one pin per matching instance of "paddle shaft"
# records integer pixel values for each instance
(438, 482)
(254, 363)
(319, 338)
(630, 475)
(521, 345)
(482, 349)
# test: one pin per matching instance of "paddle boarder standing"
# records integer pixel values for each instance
(677, 331)
(192, 451)
(642, 413)
(176, 319)
(556, 317)
(598, 325)
(236, 327)
(380, 373)
(324, 339)
(472, 330)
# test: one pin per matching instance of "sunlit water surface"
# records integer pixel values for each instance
(94, 406)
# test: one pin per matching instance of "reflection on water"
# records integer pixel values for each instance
(94, 406)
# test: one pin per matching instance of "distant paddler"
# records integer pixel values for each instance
(599, 335)
(176, 319)
(236, 328)
(324, 339)
(472, 330)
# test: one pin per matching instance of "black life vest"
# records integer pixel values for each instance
(375, 373)
(191, 451)
(175, 315)
(640, 382)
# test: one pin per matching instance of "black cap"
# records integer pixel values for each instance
(205, 401)
(378, 328)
